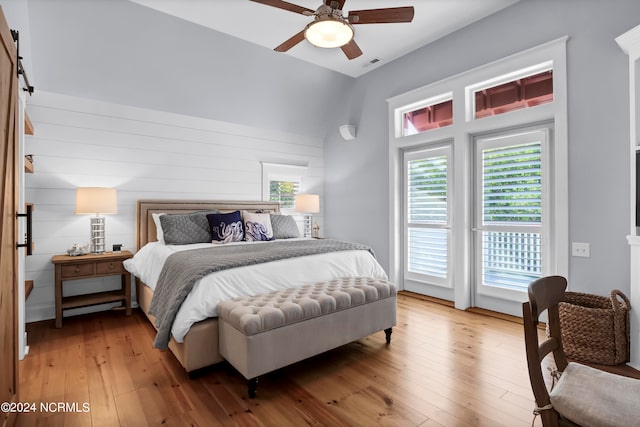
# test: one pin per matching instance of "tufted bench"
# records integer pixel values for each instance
(262, 333)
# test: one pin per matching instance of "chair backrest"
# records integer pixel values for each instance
(544, 294)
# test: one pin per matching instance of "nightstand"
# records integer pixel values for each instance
(86, 267)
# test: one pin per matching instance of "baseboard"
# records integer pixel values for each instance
(475, 310)
(485, 312)
(38, 313)
(426, 298)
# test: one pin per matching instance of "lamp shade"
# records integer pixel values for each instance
(96, 200)
(307, 203)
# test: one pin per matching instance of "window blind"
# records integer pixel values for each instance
(284, 192)
(427, 202)
(511, 213)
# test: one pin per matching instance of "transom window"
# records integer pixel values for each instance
(428, 117)
(514, 95)
(431, 113)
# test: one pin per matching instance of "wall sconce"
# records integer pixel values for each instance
(96, 200)
(348, 132)
(308, 204)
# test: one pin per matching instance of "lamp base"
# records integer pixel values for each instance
(308, 225)
(97, 234)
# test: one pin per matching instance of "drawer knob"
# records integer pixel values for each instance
(77, 269)
(111, 266)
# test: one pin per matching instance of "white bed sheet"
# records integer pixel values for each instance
(249, 280)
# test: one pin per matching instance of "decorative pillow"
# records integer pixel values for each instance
(226, 227)
(257, 226)
(184, 229)
(284, 227)
(159, 232)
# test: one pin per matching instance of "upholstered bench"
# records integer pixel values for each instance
(262, 333)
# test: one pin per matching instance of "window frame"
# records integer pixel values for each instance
(462, 132)
(282, 172)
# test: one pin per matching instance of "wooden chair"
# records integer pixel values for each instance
(583, 395)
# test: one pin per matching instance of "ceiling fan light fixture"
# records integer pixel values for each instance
(328, 33)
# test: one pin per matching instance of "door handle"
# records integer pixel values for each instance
(28, 236)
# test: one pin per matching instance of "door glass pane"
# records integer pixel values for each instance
(511, 260)
(427, 216)
(428, 251)
(427, 190)
(511, 214)
(512, 185)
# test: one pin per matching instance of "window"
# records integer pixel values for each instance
(514, 95)
(501, 219)
(284, 190)
(429, 117)
(431, 113)
(281, 183)
(509, 211)
(428, 215)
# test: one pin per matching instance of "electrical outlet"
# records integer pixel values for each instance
(580, 250)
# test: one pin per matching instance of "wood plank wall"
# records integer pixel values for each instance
(143, 154)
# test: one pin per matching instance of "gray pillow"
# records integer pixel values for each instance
(184, 229)
(284, 227)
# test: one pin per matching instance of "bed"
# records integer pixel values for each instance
(195, 344)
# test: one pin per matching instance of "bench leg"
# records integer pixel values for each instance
(387, 333)
(252, 385)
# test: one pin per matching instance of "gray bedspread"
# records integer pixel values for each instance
(182, 269)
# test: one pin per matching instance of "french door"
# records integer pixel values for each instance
(427, 221)
(510, 217)
(509, 237)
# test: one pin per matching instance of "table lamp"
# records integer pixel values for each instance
(308, 204)
(96, 200)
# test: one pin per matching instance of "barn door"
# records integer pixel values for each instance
(8, 226)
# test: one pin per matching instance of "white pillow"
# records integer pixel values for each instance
(257, 226)
(159, 232)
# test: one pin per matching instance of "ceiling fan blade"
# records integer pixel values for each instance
(336, 4)
(289, 43)
(381, 16)
(286, 6)
(351, 49)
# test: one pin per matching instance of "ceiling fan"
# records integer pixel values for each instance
(330, 28)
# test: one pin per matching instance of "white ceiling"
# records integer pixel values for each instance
(269, 26)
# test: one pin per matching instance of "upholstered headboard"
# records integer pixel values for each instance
(146, 228)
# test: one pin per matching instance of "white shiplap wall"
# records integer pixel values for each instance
(144, 154)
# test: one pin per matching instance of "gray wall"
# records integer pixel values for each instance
(121, 52)
(356, 172)
(91, 61)
(143, 154)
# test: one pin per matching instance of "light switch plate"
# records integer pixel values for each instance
(580, 250)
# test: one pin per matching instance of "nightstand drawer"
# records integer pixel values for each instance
(109, 267)
(77, 270)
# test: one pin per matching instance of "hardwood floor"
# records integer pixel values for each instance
(444, 367)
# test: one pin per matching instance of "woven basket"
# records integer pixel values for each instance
(595, 329)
